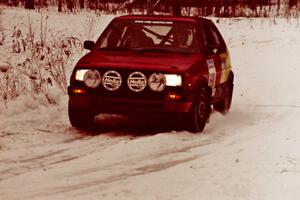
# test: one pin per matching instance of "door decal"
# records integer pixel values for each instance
(211, 73)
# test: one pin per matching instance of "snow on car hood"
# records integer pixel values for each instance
(140, 61)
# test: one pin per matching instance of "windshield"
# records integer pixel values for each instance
(146, 36)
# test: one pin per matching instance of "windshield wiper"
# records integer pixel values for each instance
(158, 50)
(114, 49)
(183, 52)
(145, 50)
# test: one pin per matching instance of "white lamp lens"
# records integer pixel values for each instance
(157, 82)
(173, 80)
(92, 78)
(80, 74)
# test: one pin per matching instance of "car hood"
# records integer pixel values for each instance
(139, 61)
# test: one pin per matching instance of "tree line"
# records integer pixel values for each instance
(219, 8)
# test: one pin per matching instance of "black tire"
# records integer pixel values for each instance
(200, 112)
(80, 118)
(224, 105)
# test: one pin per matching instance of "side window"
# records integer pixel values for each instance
(213, 39)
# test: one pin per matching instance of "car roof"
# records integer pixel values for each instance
(164, 18)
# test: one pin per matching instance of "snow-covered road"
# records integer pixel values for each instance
(239, 156)
(252, 153)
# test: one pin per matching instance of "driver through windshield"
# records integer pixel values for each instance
(160, 36)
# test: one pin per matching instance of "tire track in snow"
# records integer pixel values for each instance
(270, 105)
(102, 183)
(67, 152)
(134, 161)
(48, 156)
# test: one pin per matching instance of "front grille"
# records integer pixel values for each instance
(131, 105)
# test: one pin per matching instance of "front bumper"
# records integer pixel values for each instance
(128, 106)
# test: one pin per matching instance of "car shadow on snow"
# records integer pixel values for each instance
(117, 125)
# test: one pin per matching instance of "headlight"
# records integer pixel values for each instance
(173, 80)
(80, 74)
(92, 78)
(157, 82)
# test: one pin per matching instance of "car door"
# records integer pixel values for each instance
(214, 49)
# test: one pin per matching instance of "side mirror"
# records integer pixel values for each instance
(89, 45)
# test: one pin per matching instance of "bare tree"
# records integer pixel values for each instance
(149, 7)
(218, 6)
(14, 2)
(292, 3)
(70, 5)
(59, 5)
(176, 7)
(29, 4)
(81, 4)
(226, 8)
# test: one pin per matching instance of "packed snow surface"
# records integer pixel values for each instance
(251, 153)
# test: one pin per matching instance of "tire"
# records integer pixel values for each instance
(80, 118)
(200, 112)
(224, 105)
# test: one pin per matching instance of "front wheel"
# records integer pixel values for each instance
(200, 112)
(80, 118)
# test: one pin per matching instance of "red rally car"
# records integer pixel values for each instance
(153, 65)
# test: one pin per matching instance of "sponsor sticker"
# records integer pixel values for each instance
(112, 80)
(211, 73)
(152, 22)
(137, 81)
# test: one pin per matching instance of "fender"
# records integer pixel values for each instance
(194, 83)
(220, 89)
